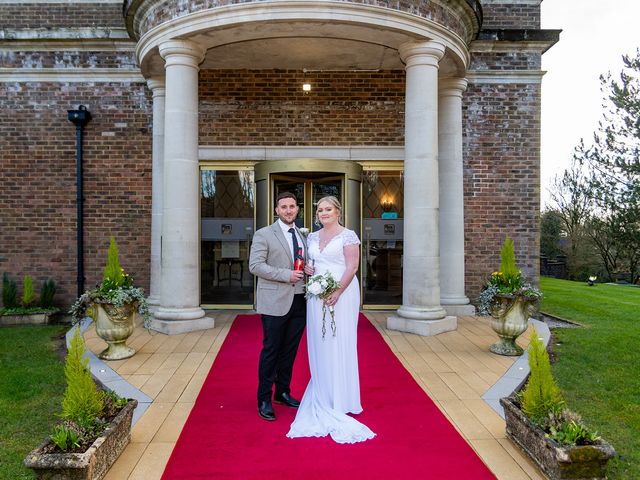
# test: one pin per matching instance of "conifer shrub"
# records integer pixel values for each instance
(28, 294)
(82, 402)
(114, 275)
(542, 395)
(9, 292)
(47, 292)
(511, 275)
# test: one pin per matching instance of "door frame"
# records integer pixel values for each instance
(263, 172)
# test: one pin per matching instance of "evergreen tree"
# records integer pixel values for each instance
(113, 273)
(614, 164)
(82, 402)
(541, 396)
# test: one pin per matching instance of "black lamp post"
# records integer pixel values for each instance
(79, 118)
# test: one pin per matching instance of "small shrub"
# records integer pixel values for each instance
(47, 292)
(567, 428)
(9, 292)
(66, 437)
(114, 275)
(508, 268)
(82, 402)
(541, 396)
(28, 295)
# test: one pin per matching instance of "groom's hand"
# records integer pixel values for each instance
(296, 276)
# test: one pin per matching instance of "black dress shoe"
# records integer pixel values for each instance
(265, 410)
(287, 399)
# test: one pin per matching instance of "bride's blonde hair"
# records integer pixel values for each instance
(334, 202)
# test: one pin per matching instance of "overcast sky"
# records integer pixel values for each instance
(595, 35)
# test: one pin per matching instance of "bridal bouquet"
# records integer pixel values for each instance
(322, 286)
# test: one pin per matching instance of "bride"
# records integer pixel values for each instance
(334, 388)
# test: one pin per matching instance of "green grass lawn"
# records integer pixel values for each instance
(598, 367)
(31, 387)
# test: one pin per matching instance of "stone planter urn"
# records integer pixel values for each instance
(579, 462)
(509, 319)
(115, 325)
(90, 465)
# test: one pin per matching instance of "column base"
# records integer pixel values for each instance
(154, 303)
(426, 328)
(175, 327)
(460, 310)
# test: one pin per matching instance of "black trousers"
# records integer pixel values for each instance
(281, 339)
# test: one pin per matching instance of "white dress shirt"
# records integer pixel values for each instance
(285, 229)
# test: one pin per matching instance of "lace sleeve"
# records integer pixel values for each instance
(350, 237)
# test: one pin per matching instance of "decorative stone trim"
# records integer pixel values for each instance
(63, 33)
(225, 18)
(257, 153)
(505, 76)
(21, 75)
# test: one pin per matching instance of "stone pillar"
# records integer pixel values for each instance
(421, 311)
(452, 294)
(156, 85)
(179, 309)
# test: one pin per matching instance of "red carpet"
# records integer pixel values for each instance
(224, 438)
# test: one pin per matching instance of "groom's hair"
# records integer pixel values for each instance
(286, 195)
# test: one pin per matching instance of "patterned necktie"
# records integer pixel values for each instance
(296, 247)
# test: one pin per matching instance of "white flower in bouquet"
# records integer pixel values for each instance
(315, 288)
(321, 286)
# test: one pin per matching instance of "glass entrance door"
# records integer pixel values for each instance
(308, 188)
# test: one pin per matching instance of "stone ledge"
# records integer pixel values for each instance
(426, 328)
(175, 327)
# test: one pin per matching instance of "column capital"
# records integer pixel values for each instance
(157, 86)
(182, 52)
(421, 53)
(452, 87)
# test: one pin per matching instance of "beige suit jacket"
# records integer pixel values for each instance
(271, 260)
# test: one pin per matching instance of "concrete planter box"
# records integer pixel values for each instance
(92, 464)
(585, 462)
(25, 319)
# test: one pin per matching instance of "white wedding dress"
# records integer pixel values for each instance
(334, 388)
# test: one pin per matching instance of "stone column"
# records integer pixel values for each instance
(179, 309)
(421, 311)
(452, 294)
(156, 85)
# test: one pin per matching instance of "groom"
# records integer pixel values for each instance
(280, 300)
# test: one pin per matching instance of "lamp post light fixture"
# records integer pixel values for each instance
(79, 118)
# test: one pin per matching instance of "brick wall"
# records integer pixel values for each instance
(37, 174)
(501, 178)
(268, 107)
(60, 15)
(508, 15)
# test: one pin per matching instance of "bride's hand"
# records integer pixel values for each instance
(332, 299)
(308, 269)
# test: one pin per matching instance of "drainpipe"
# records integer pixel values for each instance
(79, 118)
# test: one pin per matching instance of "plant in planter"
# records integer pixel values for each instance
(510, 300)
(27, 310)
(113, 305)
(553, 436)
(94, 430)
